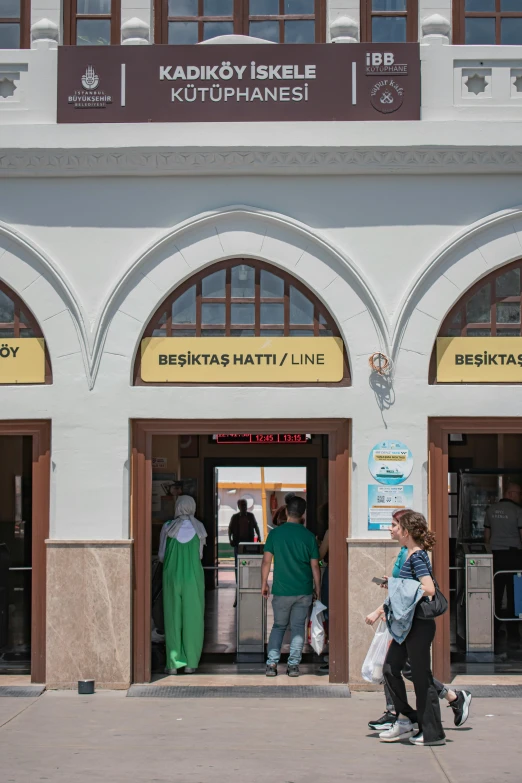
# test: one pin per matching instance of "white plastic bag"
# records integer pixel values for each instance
(376, 655)
(316, 633)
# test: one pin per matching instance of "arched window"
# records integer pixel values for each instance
(17, 321)
(279, 21)
(241, 298)
(490, 308)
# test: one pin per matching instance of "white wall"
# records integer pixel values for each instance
(382, 252)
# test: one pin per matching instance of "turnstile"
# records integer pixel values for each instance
(251, 606)
(478, 569)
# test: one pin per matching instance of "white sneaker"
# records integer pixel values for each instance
(401, 730)
(418, 739)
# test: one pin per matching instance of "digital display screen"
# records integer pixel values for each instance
(257, 438)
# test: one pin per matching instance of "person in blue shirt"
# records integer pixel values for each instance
(459, 701)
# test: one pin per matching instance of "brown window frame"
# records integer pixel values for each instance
(411, 14)
(163, 315)
(492, 325)
(71, 18)
(460, 15)
(18, 327)
(240, 19)
(24, 20)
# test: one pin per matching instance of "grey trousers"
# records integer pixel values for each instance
(406, 672)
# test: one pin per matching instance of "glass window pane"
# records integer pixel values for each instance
(10, 9)
(242, 333)
(389, 5)
(479, 5)
(218, 7)
(24, 322)
(508, 284)
(93, 32)
(478, 307)
(243, 281)
(480, 31)
(183, 7)
(301, 332)
(9, 36)
(212, 332)
(213, 29)
(508, 313)
(271, 285)
(212, 313)
(243, 314)
(300, 32)
(7, 332)
(478, 333)
(214, 285)
(299, 7)
(267, 30)
(183, 32)
(184, 308)
(386, 29)
(301, 308)
(272, 313)
(453, 333)
(325, 333)
(511, 32)
(515, 6)
(90, 7)
(457, 319)
(180, 333)
(272, 333)
(508, 332)
(6, 309)
(264, 7)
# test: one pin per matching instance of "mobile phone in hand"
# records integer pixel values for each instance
(379, 581)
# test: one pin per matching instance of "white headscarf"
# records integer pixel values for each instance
(185, 509)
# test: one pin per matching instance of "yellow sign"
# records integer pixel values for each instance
(479, 359)
(242, 359)
(22, 360)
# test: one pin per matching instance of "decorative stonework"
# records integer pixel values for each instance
(295, 161)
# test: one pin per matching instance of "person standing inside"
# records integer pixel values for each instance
(296, 573)
(503, 532)
(181, 548)
(418, 540)
(243, 529)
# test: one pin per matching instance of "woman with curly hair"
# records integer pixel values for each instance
(418, 540)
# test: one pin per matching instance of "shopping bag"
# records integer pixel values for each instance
(376, 655)
(316, 633)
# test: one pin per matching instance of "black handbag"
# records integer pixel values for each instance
(429, 609)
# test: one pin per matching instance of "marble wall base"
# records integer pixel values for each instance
(366, 558)
(89, 606)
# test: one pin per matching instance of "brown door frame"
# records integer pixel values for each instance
(40, 431)
(438, 437)
(339, 444)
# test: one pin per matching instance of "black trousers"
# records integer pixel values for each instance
(406, 672)
(506, 560)
(416, 647)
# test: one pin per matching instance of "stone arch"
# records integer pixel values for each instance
(245, 232)
(33, 277)
(481, 248)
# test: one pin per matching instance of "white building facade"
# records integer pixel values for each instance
(388, 224)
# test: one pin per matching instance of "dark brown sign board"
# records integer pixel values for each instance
(239, 83)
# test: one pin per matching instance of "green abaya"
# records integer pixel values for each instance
(183, 603)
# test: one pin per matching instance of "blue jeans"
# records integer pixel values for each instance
(289, 610)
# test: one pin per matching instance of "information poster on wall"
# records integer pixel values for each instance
(390, 462)
(384, 501)
(166, 489)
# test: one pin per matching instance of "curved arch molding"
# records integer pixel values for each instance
(470, 255)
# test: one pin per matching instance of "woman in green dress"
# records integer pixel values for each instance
(181, 549)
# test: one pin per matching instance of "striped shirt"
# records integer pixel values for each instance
(421, 566)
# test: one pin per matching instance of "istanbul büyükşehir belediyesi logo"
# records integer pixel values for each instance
(89, 97)
(90, 78)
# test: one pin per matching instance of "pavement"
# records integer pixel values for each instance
(62, 737)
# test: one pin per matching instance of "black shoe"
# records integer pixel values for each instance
(293, 671)
(460, 707)
(271, 670)
(384, 723)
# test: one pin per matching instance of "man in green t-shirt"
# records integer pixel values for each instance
(296, 572)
